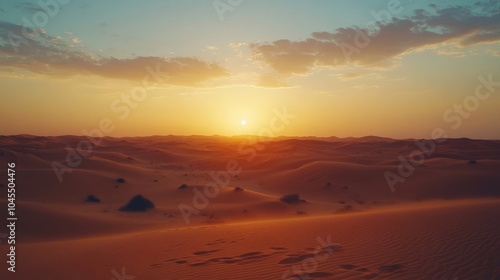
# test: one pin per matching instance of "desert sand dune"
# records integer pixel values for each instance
(414, 242)
(439, 224)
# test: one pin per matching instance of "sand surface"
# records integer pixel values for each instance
(440, 223)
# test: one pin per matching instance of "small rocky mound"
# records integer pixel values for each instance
(138, 204)
(92, 198)
(120, 180)
(292, 199)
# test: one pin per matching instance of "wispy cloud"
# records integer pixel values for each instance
(459, 25)
(44, 54)
(29, 7)
(494, 53)
(366, 87)
(357, 75)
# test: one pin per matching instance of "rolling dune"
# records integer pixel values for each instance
(440, 223)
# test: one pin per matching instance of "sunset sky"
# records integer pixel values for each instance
(183, 67)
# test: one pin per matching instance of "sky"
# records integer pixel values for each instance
(392, 68)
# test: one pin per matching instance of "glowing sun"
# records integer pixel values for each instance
(243, 122)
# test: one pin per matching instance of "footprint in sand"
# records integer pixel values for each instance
(179, 261)
(216, 242)
(199, 253)
(295, 259)
(253, 257)
(362, 269)
(334, 247)
(250, 254)
(198, 263)
(223, 259)
(278, 248)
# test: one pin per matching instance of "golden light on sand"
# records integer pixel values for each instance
(361, 142)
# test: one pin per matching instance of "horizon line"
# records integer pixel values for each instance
(252, 135)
